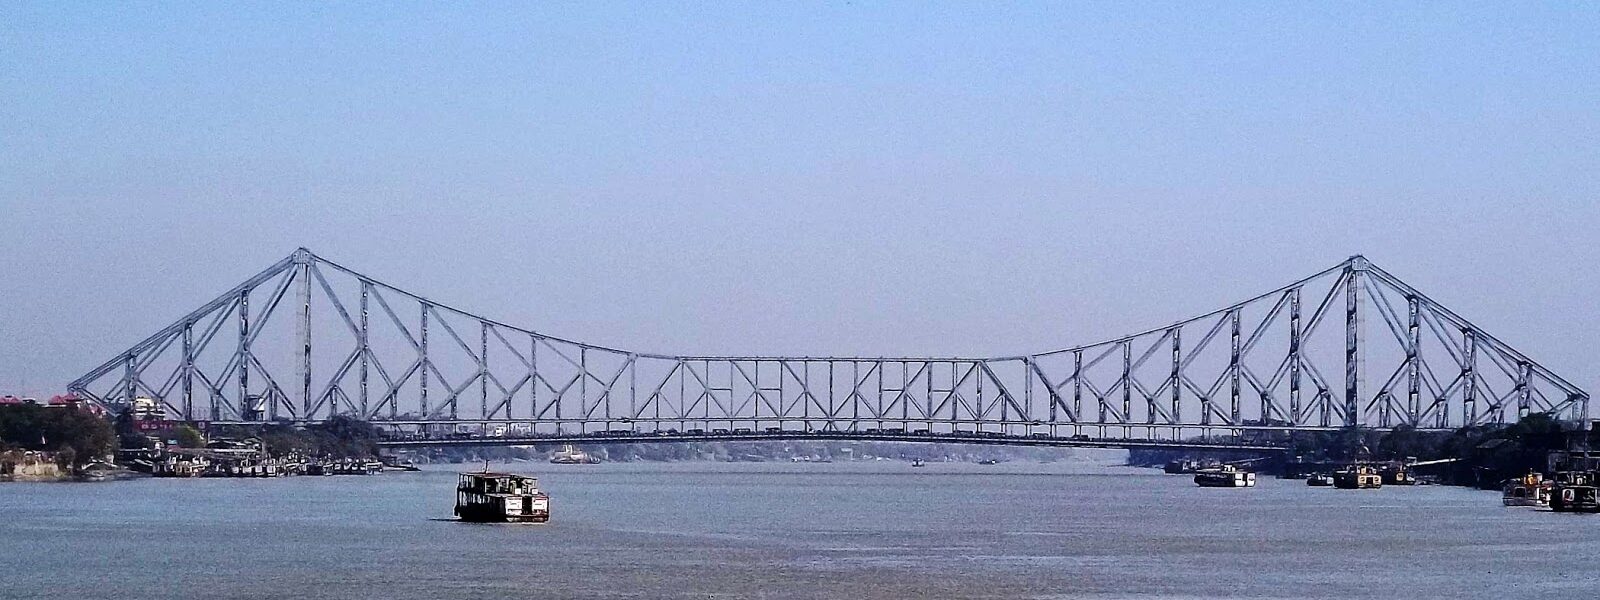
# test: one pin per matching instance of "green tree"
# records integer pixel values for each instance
(56, 429)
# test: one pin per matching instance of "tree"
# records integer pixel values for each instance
(188, 437)
(78, 435)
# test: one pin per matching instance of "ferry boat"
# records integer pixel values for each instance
(1319, 480)
(1225, 476)
(1575, 491)
(572, 456)
(501, 498)
(1357, 477)
(1528, 490)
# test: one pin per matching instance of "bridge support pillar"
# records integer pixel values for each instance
(1352, 341)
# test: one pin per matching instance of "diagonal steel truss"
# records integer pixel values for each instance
(1352, 345)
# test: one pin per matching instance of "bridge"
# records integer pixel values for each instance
(1350, 346)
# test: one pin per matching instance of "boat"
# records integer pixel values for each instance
(572, 456)
(1186, 466)
(99, 471)
(1528, 490)
(917, 462)
(403, 465)
(488, 497)
(1357, 477)
(1319, 480)
(1575, 491)
(181, 465)
(988, 461)
(1182, 467)
(1397, 474)
(1225, 476)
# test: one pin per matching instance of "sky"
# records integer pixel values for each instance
(800, 178)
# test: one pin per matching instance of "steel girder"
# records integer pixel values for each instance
(361, 347)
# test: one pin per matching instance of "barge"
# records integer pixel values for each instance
(501, 498)
(1225, 476)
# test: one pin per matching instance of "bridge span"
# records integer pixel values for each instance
(780, 435)
(1349, 346)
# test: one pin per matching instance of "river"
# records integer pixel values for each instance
(1075, 529)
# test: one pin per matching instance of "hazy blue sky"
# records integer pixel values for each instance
(802, 178)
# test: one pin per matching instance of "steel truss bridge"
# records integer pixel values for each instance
(308, 339)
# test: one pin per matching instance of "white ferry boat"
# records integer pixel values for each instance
(501, 498)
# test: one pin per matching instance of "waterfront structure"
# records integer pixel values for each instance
(1349, 346)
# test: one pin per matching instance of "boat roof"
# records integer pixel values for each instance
(493, 475)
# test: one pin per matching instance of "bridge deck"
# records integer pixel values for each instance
(664, 437)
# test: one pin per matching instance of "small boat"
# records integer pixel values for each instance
(99, 471)
(988, 461)
(1357, 477)
(572, 456)
(917, 462)
(1319, 480)
(1186, 466)
(1528, 490)
(501, 498)
(181, 465)
(1397, 474)
(1575, 491)
(1225, 476)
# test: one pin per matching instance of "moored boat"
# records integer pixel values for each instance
(569, 455)
(1225, 476)
(1397, 474)
(1357, 477)
(1186, 466)
(1319, 480)
(1575, 491)
(1528, 490)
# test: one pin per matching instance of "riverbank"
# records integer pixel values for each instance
(1479, 456)
(51, 442)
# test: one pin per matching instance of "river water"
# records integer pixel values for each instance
(1075, 529)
